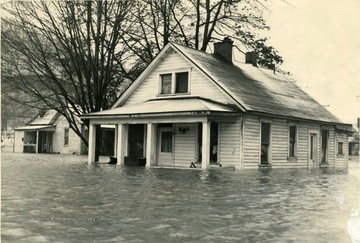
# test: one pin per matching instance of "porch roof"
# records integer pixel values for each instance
(167, 105)
(37, 128)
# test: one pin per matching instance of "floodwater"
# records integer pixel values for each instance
(59, 198)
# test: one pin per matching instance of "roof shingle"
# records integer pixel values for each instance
(258, 89)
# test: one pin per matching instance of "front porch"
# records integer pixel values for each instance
(38, 139)
(169, 131)
(164, 143)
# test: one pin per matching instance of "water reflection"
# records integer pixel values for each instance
(61, 199)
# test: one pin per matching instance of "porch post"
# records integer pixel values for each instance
(205, 145)
(120, 144)
(37, 142)
(150, 144)
(92, 144)
(115, 141)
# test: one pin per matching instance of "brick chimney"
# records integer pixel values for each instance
(358, 122)
(224, 49)
(251, 57)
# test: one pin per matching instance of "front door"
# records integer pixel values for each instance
(313, 151)
(165, 146)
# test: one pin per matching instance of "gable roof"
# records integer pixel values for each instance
(258, 89)
(49, 118)
(253, 89)
(46, 122)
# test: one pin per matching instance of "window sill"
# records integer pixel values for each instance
(292, 159)
(172, 95)
(340, 155)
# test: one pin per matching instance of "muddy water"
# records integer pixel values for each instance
(57, 198)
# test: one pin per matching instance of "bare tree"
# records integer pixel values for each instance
(66, 55)
(196, 23)
(77, 56)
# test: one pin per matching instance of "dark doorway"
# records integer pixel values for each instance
(214, 138)
(324, 145)
(136, 140)
(107, 141)
(214, 134)
(45, 142)
(265, 142)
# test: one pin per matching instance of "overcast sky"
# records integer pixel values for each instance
(320, 42)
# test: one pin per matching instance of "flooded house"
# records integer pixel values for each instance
(50, 132)
(192, 108)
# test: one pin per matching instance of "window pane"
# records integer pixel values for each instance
(182, 82)
(166, 84)
(292, 134)
(265, 142)
(265, 133)
(292, 140)
(166, 142)
(340, 148)
(66, 137)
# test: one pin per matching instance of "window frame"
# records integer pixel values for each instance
(293, 156)
(66, 137)
(340, 152)
(161, 83)
(174, 82)
(270, 143)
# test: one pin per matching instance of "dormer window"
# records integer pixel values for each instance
(174, 83)
(166, 84)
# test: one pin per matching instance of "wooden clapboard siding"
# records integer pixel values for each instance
(303, 143)
(341, 160)
(184, 145)
(288, 165)
(251, 142)
(229, 144)
(279, 142)
(331, 147)
(200, 85)
(58, 138)
(19, 141)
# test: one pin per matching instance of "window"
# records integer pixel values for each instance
(340, 148)
(174, 83)
(182, 82)
(324, 145)
(66, 137)
(292, 141)
(265, 142)
(166, 84)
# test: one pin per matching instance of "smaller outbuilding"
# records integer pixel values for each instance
(50, 132)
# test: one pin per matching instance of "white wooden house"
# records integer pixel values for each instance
(50, 132)
(191, 106)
